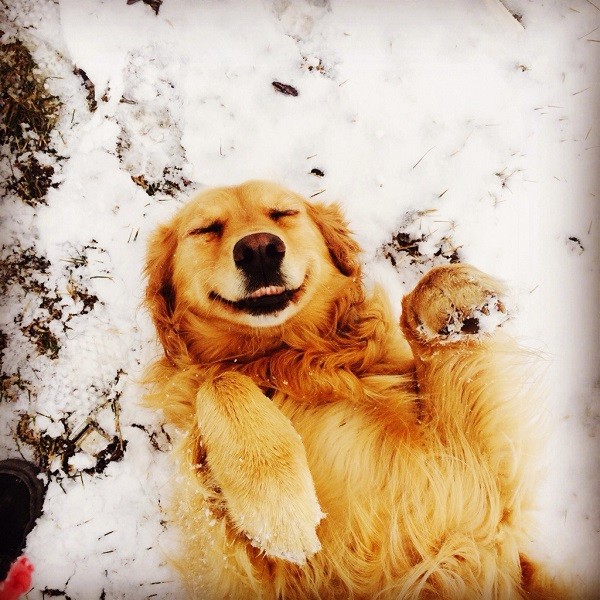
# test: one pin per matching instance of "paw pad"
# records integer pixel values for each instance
(479, 320)
(453, 303)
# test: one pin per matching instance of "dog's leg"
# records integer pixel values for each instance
(258, 461)
(467, 372)
(477, 402)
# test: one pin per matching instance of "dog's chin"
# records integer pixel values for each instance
(265, 321)
(261, 311)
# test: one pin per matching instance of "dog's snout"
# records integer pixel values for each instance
(259, 252)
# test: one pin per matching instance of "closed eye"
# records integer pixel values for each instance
(279, 214)
(216, 228)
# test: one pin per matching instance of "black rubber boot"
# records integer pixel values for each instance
(21, 501)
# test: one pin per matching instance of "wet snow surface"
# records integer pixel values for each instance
(448, 131)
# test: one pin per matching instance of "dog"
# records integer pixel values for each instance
(325, 450)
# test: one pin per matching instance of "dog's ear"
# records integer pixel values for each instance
(342, 248)
(160, 292)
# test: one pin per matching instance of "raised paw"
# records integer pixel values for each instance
(453, 303)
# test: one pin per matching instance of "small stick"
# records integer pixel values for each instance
(424, 155)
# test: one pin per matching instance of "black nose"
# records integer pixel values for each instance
(259, 254)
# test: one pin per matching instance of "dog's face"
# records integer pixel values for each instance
(253, 255)
(249, 255)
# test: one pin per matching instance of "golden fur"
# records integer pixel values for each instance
(326, 452)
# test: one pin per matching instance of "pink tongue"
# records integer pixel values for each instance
(271, 290)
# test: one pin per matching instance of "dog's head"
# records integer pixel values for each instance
(254, 255)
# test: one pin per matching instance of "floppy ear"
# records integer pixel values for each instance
(160, 292)
(343, 249)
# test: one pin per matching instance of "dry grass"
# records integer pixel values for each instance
(29, 114)
(45, 299)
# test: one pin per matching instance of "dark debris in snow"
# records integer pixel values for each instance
(153, 4)
(285, 88)
(29, 114)
(71, 448)
(420, 243)
(46, 305)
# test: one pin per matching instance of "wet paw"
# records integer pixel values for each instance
(258, 462)
(453, 303)
(286, 530)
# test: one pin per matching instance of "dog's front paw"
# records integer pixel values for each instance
(258, 462)
(282, 523)
(453, 303)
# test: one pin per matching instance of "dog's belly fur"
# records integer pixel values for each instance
(441, 517)
(432, 518)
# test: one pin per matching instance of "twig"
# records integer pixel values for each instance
(589, 33)
(422, 157)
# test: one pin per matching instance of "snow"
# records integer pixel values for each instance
(444, 120)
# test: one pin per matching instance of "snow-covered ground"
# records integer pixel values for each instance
(445, 129)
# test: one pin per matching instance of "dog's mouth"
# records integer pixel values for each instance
(267, 300)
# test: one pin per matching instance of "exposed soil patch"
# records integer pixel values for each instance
(45, 309)
(29, 114)
(89, 88)
(419, 243)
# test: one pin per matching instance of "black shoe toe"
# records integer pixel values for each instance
(21, 500)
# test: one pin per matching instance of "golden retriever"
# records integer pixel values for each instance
(327, 452)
